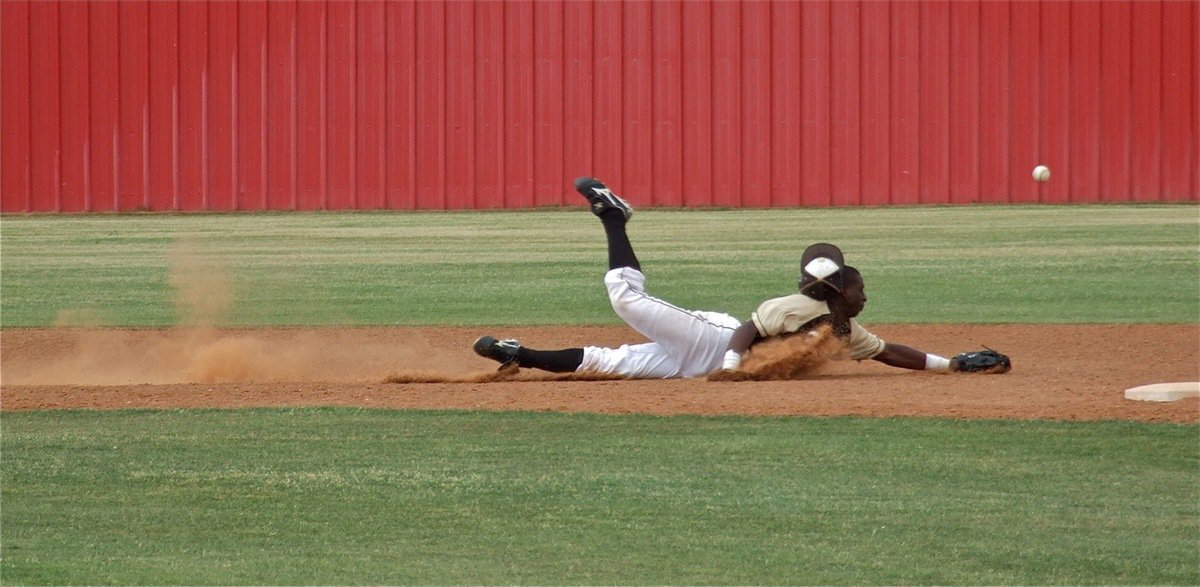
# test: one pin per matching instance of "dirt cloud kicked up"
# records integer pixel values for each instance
(196, 351)
(781, 359)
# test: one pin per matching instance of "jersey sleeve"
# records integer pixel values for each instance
(778, 316)
(863, 344)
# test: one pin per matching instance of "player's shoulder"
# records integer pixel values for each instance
(796, 300)
(858, 326)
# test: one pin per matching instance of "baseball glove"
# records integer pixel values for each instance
(985, 361)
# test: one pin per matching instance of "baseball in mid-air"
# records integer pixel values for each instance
(1041, 173)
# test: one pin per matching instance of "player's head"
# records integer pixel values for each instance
(854, 294)
(825, 277)
(821, 276)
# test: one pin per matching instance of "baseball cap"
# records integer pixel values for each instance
(821, 270)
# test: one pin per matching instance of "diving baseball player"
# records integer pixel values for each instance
(690, 343)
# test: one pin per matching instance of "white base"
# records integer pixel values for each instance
(1164, 392)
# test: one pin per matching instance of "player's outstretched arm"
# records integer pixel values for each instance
(985, 361)
(904, 357)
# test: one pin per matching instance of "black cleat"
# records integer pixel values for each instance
(501, 351)
(601, 198)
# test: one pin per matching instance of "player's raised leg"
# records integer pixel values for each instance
(601, 198)
(695, 340)
(613, 212)
(692, 339)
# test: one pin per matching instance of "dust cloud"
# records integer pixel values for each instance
(78, 352)
(792, 357)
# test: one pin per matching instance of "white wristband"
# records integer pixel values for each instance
(732, 360)
(936, 363)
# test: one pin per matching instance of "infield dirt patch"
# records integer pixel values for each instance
(1060, 372)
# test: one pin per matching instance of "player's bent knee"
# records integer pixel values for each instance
(627, 302)
(625, 290)
(625, 306)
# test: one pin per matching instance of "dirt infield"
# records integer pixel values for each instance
(1074, 372)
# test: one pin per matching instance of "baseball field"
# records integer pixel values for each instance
(292, 399)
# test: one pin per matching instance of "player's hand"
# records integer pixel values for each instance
(729, 365)
(985, 361)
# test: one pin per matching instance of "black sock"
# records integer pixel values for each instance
(620, 251)
(563, 361)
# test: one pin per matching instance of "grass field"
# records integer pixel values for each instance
(1085, 264)
(335, 496)
(343, 496)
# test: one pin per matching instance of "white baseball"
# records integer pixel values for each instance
(1041, 173)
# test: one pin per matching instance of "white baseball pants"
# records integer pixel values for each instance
(686, 343)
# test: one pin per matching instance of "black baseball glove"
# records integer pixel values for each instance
(985, 361)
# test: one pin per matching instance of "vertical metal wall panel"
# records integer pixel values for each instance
(222, 105)
(341, 95)
(44, 95)
(132, 155)
(400, 104)
(697, 105)
(1025, 112)
(163, 121)
(282, 99)
(371, 55)
(995, 94)
(1179, 94)
(757, 137)
(875, 157)
(636, 131)
(105, 103)
(193, 73)
(934, 92)
(667, 170)
(14, 107)
(460, 105)
(906, 103)
(312, 106)
(785, 102)
(1195, 138)
(845, 103)
(607, 89)
(1115, 76)
(518, 103)
(548, 178)
(489, 104)
(1054, 146)
(726, 103)
(252, 105)
(74, 110)
(430, 107)
(406, 104)
(1147, 101)
(578, 87)
(964, 101)
(1084, 117)
(814, 103)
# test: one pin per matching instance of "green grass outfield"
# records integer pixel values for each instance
(1084, 264)
(345, 496)
(339, 496)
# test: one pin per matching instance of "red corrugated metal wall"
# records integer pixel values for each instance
(310, 104)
